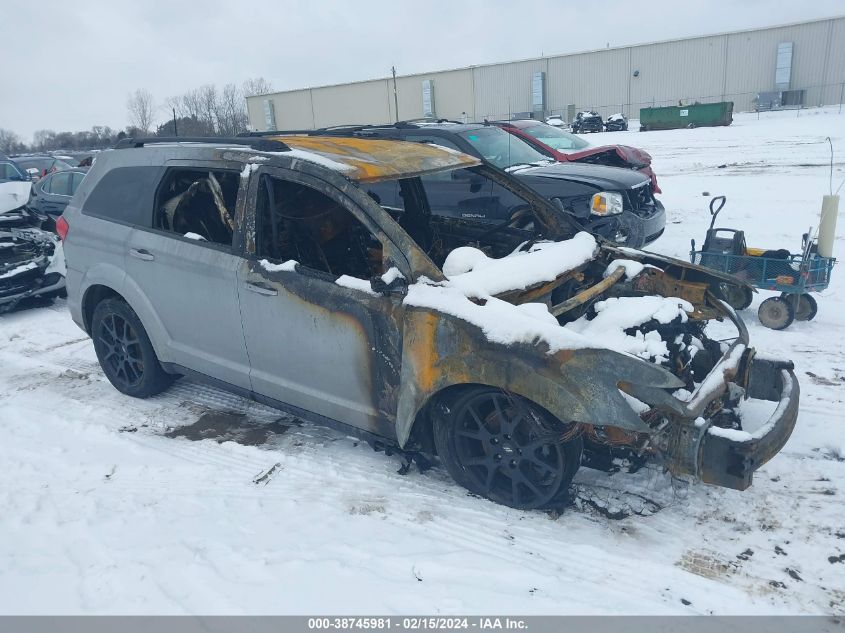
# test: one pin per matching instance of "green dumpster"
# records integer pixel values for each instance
(695, 115)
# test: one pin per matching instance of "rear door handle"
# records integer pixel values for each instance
(261, 289)
(140, 253)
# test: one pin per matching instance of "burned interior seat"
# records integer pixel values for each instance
(200, 208)
(311, 228)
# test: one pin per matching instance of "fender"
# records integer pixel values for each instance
(115, 278)
(576, 385)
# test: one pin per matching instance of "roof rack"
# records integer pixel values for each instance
(257, 144)
(336, 130)
(425, 119)
(346, 129)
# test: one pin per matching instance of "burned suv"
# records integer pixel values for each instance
(267, 269)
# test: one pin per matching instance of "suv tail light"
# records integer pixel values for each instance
(62, 228)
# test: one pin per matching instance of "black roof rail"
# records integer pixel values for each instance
(256, 144)
(243, 135)
(334, 129)
(426, 119)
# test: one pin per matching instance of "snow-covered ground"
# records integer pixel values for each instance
(102, 512)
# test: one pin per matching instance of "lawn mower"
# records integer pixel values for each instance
(794, 276)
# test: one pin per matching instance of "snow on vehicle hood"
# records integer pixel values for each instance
(478, 275)
(13, 195)
(473, 278)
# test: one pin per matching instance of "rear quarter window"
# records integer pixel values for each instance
(125, 194)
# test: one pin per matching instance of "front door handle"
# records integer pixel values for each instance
(140, 253)
(261, 289)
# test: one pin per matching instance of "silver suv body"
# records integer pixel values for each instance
(273, 271)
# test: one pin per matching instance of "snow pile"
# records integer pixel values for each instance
(632, 268)
(319, 159)
(252, 166)
(615, 315)
(18, 270)
(270, 267)
(473, 275)
(478, 275)
(355, 284)
(500, 321)
(715, 379)
(392, 275)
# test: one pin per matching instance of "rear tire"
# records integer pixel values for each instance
(806, 309)
(776, 314)
(125, 352)
(506, 449)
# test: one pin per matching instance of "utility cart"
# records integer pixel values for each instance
(792, 275)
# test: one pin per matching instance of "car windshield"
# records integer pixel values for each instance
(501, 148)
(556, 139)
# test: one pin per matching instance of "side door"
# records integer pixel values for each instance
(456, 194)
(53, 193)
(319, 338)
(183, 264)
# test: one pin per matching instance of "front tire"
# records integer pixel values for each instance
(776, 313)
(125, 352)
(507, 449)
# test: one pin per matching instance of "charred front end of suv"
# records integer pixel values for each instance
(684, 410)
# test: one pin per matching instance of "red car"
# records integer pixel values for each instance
(565, 148)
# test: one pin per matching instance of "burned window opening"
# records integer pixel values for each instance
(297, 222)
(198, 203)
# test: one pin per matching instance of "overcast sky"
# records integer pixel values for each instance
(71, 65)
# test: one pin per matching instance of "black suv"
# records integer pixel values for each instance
(617, 204)
(586, 121)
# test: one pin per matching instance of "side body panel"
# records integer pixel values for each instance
(191, 290)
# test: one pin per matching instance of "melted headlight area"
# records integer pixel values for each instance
(690, 354)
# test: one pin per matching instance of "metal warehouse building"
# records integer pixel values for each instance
(804, 63)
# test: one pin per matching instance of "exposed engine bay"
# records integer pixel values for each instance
(31, 260)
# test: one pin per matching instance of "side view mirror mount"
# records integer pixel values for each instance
(398, 286)
(465, 175)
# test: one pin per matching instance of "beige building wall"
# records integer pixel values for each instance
(730, 67)
(363, 102)
(835, 64)
(452, 95)
(751, 60)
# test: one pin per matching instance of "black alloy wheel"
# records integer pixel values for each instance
(122, 350)
(505, 448)
(125, 352)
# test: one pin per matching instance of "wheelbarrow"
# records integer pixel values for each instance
(794, 275)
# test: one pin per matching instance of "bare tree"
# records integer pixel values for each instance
(208, 111)
(256, 86)
(9, 141)
(141, 108)
(207, 102)
(41, 139)
(232, 109)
